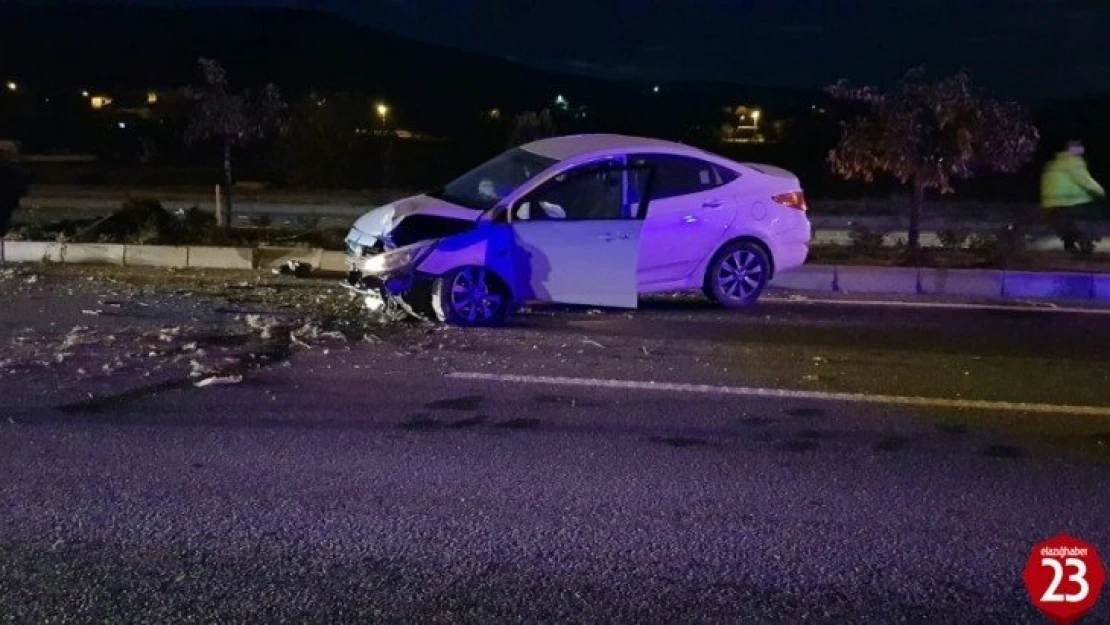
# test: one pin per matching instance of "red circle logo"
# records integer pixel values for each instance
(1064, 576)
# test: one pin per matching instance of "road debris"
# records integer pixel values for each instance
(267, 327)
(294, 268)
(79, 335)
(218, 380)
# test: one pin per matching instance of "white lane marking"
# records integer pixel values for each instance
(1045, 307)
(924, 402)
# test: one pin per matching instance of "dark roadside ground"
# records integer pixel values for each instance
(337, 476)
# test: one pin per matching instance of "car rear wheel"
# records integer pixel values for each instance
(470, 296)
(737, 274)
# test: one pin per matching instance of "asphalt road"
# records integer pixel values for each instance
(354, 481)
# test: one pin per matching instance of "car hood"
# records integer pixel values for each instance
(379, 222)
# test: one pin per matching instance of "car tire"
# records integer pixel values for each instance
(737, 274)
(470, 297)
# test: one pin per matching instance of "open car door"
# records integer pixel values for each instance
(576, 238)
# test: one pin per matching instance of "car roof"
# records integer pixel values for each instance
(571, 146)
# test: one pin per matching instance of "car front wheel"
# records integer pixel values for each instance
(737, 275)
(470, 296)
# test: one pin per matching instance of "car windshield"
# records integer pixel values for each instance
(484, 186)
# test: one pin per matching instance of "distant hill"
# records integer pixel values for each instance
(105, 46)
(127, 46)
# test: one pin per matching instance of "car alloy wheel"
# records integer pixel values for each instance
(470, 296)
(738, 274)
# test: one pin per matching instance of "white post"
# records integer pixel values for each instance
(219, 204)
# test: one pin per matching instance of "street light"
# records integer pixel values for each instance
(383, 111)
(755, 115)
(12, 86)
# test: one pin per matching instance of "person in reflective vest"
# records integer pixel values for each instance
(1068, 193)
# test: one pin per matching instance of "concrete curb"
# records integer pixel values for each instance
(200, 257)
(821, 278)
(156, 256)
(1037, 243)
(999, 284)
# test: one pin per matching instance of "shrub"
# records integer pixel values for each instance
(136, 219)
(865, 241)
(196, 227)
(1001, 246)
(953, 239)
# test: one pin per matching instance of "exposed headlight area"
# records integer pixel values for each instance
(356, 248)
(396, 260)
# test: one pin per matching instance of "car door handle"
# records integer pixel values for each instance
(712, 204)
(609, 236)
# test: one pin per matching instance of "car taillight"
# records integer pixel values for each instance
(794, 199)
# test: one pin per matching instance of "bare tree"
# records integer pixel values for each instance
(232, 118)
(929, 134)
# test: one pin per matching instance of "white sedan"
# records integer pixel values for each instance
(589, 219)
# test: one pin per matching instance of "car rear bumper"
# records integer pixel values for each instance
(791, 247)
(790, 256)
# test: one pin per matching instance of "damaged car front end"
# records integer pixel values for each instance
(383, 253)
(387, 280)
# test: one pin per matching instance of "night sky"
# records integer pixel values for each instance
(1031, 48)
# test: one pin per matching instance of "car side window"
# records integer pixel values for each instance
(679, 175)
(591, 192)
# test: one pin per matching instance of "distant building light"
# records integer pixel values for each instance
(84, 94)
(560, 101)
(655, 89)
(13, 86)
(495, 113)
(122, 125)
(152, 97)
(99, 101)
